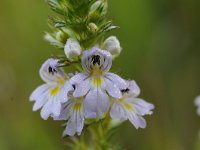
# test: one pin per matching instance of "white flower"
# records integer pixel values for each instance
(197, 103)
(50, 95)
(96, 83)
(72, 48)
(131, 108)
(73, 112)
(112, 45)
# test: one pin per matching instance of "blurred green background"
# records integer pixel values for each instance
(161, 51)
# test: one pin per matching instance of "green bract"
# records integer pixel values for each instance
(83, 20)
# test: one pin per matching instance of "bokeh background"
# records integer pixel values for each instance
(161, 51)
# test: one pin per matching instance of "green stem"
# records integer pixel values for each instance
(99, 138)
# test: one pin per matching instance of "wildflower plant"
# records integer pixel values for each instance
(91, 98)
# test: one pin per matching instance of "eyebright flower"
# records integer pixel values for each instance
(96, 83)
(197, 103)
(72, 48)
(130, 107)
(112, 45)
(50, 95)
(73, 112)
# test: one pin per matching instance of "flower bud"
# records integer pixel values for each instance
(72, 48)
(92, 27)
(95, 5)
(53, 41)
(99, 8)
(112, 45)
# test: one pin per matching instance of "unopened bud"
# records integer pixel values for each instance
(100, 7)
(112, 45)
(53, 40)
(72, 48)
(92, 27)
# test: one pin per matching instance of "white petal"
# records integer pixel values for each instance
(90, 105)
(78, 78)
(142, 107)
(117, 112)
(121, 83)
(137, 121)
(70, 129)
(46, 110)
(75, 124)
(82, 88)
(81, 83)
(65, 111)
(133, 109)
(55, 107)
(96, 103)
(103, 102)
(134, 88)
(39, 103)
(63, 95)
(38, 93)
(112, 89)
(80, 122)
(86, 59)
(107, 60)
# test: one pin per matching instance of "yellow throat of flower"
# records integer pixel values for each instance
(77, 106)
(54, 91)
(96, 77)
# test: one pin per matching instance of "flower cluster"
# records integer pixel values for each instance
(92, 93)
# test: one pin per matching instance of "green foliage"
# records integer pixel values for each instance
(83, 20)
(100, 137)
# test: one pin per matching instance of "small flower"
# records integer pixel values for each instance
(72, 48)
(96, 83)
(50, 95)
(73, 112)
(130, 107)
(112, 45)
(197, 103)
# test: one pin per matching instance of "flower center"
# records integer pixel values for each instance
(96, 62)
(60, 80)
(77, 106)
(125, 90)
(96, 59)
(128, 106)
(54, 91)
(97, 81)
(52, 70)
